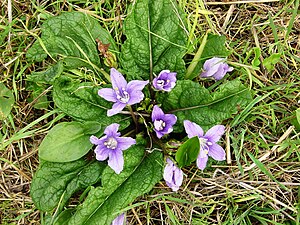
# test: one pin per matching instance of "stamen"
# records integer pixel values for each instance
(159, 124)
(111, 143)
(123, 96)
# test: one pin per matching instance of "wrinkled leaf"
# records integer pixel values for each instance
(65, 142)
(139, 176)
(57, 182)
(72, 36)
(48, 76)
(156, 39)
(81, 102)
(6, 101)
(190, 101)
(38, 96)
(188, 152)
(214, 47)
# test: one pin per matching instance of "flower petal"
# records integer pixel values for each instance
(116, 160)
(117, 79)
(214, 134)
(101, 152)
(201, 162)
(192, 129)
(222, 70)
(159, 134)
(168, 173)
(216, 152)
(112, 130)
(94, 140)
(108, 94)
(119, 220)
(157, 113)
(116, 108)
(178, 176)
(125, 142)
(135, 97)
(136, 85)
(170, 119)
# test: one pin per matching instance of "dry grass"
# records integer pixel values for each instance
(240, 191)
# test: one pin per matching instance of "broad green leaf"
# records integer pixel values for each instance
(7, 101)
(64, 217)
(190, 101)
(156, 39)
(81, 102)
(72, 36)
(139, 176)
(257, 53)
(65, 142)
(214, 47)
(48, 76)
(55, 183)
(270, 62)
(188, 152)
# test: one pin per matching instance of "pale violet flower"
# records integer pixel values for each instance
(165, 81)
(119, 220)
(208, 145)
(122, 93)
(215, 68)
(111, 146)
(163, 123)
(173, 175)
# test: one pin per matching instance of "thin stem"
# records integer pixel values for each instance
(133, 116)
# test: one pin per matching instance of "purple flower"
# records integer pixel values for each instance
(173, 175)
(122, 93)
(163, 123)
(216, 68)
(208, 145)
(119, 220)
(165, 81)
(111, 146)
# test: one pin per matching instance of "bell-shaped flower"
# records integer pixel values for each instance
(119, 220)
(111, 146)
(215, 68)
(173, 175)
(165, 81)
(163, 123)
(122, 93)
(208, 145)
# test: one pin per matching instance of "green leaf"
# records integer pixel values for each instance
(270, 62)
(7, 101)
(72, 36)
(188, 152)
(156, 39)
(214, 47)
(55, 183)
(139, 176)
(48, 76)
(38, 96)
(298, 115)
(257, 53)
(65, 142)
(81, 102)
(190, 101)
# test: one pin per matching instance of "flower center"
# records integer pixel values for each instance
(204, 145)
(111, 143)
(159, 125)
(162, 83)
(122, 95)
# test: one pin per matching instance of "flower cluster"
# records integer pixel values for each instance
(122, 94)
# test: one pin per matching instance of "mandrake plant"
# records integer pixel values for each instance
(137, 111)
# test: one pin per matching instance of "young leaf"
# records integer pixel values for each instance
(156, 39)
(188, 152)
(270, 62)
(139, 176)
(65, 142)
(57, 182)
(71, 35)
(6, 101)
(81, 102)
(190, 101)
